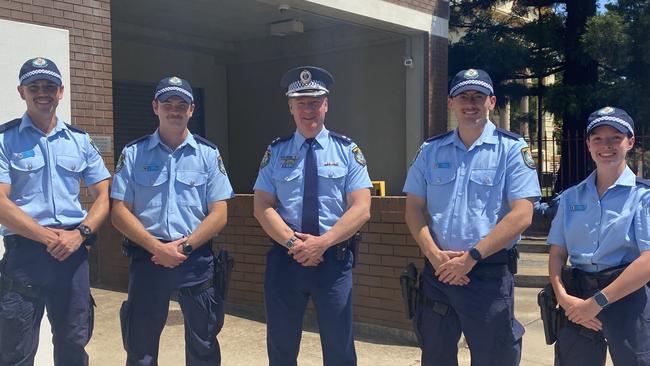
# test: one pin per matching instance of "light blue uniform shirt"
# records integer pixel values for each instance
(170, 190)
(468, 191)
(45, 171)
(341, 170)
(603, 232)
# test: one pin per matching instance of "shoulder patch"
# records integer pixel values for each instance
(222, 167)
(527, 157)
(9, 125)
(510, 134)
(265, 159)
(137, 140)
(204, 141)
(120, 163)
(346, 140)
(358, 156)
(645, 182)
(438, 136)
(277, 140)
(75, 128)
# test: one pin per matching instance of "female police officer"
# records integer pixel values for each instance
(603, 227)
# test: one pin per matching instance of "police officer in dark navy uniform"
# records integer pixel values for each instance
(470, 195)
(169, 200)
(603, 227)
(46, 229)
(311, 197)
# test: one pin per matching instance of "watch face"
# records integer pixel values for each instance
(84, 230)
(187, 249)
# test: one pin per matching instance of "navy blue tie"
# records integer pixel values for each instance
(310, 192)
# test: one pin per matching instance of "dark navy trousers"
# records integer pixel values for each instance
(482, 310)
(64, 291)
(287, 288)
(144, 314)
(626, 331)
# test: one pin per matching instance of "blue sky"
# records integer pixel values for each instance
(601, 4)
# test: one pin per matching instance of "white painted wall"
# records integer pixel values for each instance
(28, 41)
(20, 42)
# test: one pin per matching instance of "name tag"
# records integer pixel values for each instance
(151, 168)
(577, 207)
(25, 154)
(288, 161)
(444, 165)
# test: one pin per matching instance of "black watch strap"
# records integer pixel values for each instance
(475, 254)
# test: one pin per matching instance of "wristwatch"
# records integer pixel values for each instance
(292, 240)
(601, 299)
(85, 231)
(187, 248)
(475, 254)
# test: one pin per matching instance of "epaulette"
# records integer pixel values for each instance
(9, 125)
(205, 141)
(510, 134)
(137, 140)
(75, 129)
(346, 140)
(280, 139)
(645, 182)
(438, 136)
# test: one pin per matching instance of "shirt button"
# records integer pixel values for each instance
(486, 179)
(438, 180)
(331, 174)
(29, 166)
(74, 167)
(286, 179)
(192, 183)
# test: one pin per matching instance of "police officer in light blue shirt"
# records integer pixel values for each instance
(477, 184)
(46, 229)
(169, 200)
(603, 227)
(311, 197)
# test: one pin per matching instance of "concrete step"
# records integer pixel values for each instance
(533, 245)
(532, 270)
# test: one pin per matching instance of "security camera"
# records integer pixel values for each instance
(283, 7)
(408, 62)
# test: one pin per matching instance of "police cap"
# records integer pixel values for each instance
(306, 81)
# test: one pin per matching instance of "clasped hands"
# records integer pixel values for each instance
(62, 243)
(308, 250)
(452, 267)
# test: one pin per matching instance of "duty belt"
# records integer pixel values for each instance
(590, 281)
(8, 285)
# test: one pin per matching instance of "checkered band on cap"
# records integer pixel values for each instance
(613, 119)
(314, 84)
(173, 88)
(472, 82)
(38, 71)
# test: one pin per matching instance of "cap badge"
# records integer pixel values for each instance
(39, 62)
(305, 77)
(175, 81)
(605, 111)
(471, 74)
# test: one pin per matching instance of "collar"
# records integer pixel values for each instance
(154, 140)
(27, 122)
(626, 179)
(322, 138)
(488, 136)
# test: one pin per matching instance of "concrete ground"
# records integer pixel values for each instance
(243, 340)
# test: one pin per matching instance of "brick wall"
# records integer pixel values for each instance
(385, 250)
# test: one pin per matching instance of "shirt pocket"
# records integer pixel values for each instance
(288, 184)
(191, 187)
(331, 182)
(27, 175)
(484, 191)
(150, 189)
(440, 189)
(69, 169)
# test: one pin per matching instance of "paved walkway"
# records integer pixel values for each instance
(243, 340)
